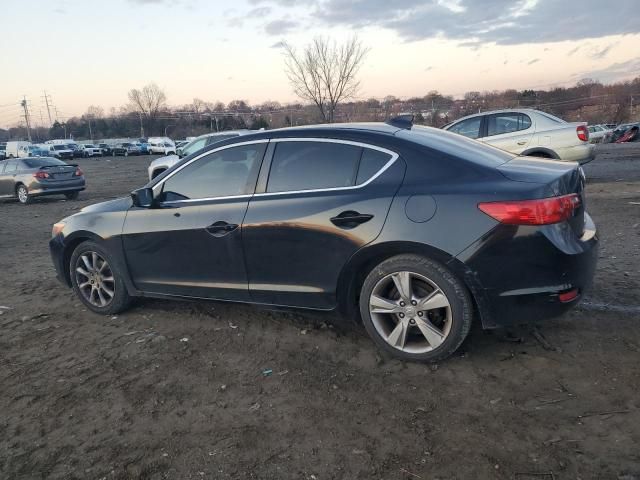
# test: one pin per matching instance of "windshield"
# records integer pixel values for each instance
(42, 162)
(60, 147)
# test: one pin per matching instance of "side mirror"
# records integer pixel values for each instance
(143, 197)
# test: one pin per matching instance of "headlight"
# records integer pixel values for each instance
(57, 228)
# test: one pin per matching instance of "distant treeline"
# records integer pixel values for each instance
(588, 101)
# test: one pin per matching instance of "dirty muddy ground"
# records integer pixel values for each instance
(176, 390)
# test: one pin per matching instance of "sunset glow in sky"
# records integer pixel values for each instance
(86, 52)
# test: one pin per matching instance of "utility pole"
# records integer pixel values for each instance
(56, 109)
(90, 133)
(141, 126)
(26, 116)
(46, 101)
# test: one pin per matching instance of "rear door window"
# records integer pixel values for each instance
(312, 165)
(470, 128)
(507, 123)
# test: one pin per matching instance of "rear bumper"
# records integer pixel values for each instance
(56, 187)
(517, 274)
(583, 153)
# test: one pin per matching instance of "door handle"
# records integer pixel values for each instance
(350, 219)
(522, 143)
(220, 229)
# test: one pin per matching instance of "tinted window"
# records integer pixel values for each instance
(11, 166)
(228, 172)
(60, 147)
(42, 162)
(371, 163)
(469, 128)
(312, 165)
(507, 123)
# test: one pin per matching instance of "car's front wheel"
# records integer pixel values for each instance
(415, 308)
(97, 281)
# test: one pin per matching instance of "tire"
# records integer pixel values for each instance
(72, 195)
(120, 299)
(539, 155)
(446, 326)
(22, 192)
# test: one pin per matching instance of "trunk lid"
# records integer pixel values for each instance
(60, 172)
(559, 178)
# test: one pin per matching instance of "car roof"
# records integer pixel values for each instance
(528, 111)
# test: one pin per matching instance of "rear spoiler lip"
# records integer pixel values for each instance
(55, 166)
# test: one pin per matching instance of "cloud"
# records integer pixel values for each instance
(535, 60)
(615, 72)
(600, 53)
(574, 50)
(504, 22)
(279, 44)
(278, 27)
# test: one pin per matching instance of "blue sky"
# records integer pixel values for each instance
(92, 52)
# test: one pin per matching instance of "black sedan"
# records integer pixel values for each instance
(26, 178)
(415, 231)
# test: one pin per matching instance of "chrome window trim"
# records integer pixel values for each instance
(386, 166)
(392, 160)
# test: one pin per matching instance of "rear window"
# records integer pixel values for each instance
(456, 145)
(312, 166)
(372, 162)
(42, 162)
(551, 117)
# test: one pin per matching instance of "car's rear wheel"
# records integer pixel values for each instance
(71, 195)
(415, 309)
(22, 192)
(97, 281)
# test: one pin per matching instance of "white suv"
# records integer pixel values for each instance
(163, 148)
(161, 164)
(91, 150)
(528, 132)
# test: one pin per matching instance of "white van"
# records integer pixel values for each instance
(160, 140)
(13, 149)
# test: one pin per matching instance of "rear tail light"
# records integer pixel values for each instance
(41, 175)
(78, 173)
(544, 211)
(583, 133)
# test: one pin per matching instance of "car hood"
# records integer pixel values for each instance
(118, 205)
(168, 161)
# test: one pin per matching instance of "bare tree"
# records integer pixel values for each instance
(147, 102)
(325, 72)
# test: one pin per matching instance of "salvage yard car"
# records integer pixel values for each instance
(528, 132)
(91, 150)
(27, 178)
(414, 230)
(125, 149)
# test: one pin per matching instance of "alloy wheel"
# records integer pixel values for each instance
(23, 194)
(95, 279)
(410, 312)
